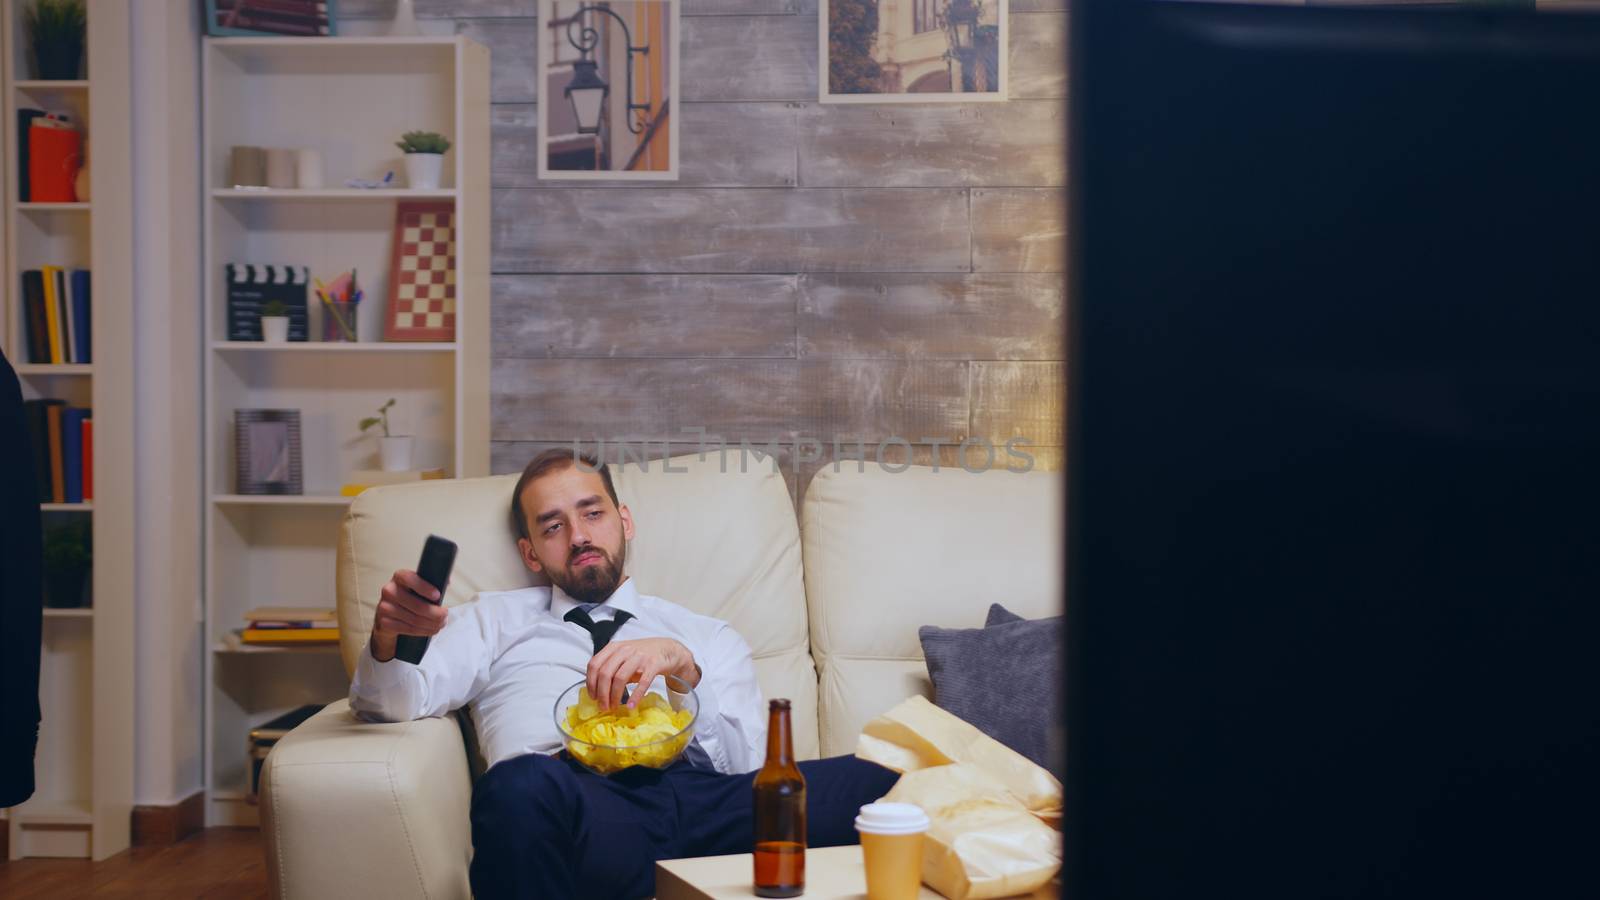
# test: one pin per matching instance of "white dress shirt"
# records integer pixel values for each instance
(510, 655)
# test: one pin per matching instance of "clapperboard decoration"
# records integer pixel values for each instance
(422, 281)
(251, 286)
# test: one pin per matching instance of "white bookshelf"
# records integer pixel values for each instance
(84, 764)
(350, 99)
(285, 195)
(325, 347)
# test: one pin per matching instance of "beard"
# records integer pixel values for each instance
(592, 583)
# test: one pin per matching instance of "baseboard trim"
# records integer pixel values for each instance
(159, 826)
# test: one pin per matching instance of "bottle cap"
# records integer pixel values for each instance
(892, 818)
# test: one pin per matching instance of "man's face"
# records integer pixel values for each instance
(579, 536)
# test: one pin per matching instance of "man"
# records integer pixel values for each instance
(21, 612)
(542, 825)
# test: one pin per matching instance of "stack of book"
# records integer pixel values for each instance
(63, 450)
(56, 305)
(289, 625)
(362, 479)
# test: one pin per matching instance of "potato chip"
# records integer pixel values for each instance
(608, 741)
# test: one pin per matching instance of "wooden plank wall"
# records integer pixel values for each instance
(820, 271)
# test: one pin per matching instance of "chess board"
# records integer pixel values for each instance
(422, 281)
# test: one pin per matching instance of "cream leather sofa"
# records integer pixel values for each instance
(831, 610)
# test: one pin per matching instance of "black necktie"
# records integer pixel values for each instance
(601, 632)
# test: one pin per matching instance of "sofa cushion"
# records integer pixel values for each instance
(1002, 678)
(714, 538)
(887, 552)
(999, 615)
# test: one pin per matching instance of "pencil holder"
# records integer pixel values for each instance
(339, 322)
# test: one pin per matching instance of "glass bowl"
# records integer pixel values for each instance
(606, 758)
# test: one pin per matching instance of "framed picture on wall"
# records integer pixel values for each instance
(912, 51)
(301, 18)
(610, 73)
(266, 451)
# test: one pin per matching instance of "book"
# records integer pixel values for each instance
(69, 333)
(78, 281)
(88, 458)
(274, 730)
(38, 416)
(72, 451)
(307, 18)
(58, 487)
(362, 479)
(34, 314)
(290, 613)
(64, 310)
(264, 737)
(289, 635)
(25, 117)
(52, 314)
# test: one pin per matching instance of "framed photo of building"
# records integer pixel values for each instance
(912, 51)
(608, 76)
(266, 451)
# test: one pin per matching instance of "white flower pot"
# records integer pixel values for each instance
(395, 452)
(275, 329)
(404, 23)
(422, 170)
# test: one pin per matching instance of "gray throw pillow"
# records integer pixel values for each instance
(999, 615)
(1003, 678)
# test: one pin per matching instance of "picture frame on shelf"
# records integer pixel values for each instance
(921, 51)
(266, 452)
(422, 274)
(611, 73)
(294, 18)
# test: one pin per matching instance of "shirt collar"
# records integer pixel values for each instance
(626, 596)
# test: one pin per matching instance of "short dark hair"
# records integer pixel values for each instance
(555, 458)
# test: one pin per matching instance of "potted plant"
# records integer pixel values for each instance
(274, 322)
(394, 450)
(424, 152)
(56, 33)
(68, 564)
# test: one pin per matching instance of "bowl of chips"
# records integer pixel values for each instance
(653, 733)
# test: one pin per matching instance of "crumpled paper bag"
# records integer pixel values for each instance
(915, 734)
(981, 842)
(988, 805)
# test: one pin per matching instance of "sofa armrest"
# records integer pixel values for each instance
(358, 809)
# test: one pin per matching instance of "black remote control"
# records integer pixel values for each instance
(438, 558)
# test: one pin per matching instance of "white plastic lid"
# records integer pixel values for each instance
(892, 818)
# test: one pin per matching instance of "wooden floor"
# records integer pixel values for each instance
(221, 863)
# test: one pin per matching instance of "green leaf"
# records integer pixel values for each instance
(423, 142)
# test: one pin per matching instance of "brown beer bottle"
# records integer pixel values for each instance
(780, 812)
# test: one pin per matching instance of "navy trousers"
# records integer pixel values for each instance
(545, 827)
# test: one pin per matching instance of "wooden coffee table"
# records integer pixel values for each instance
(831, 873)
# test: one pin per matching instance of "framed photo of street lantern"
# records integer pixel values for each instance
(608, 90)
(912, 51)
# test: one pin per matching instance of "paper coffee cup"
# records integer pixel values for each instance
(891, 844)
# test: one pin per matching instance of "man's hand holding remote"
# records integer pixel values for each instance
(407, 605)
